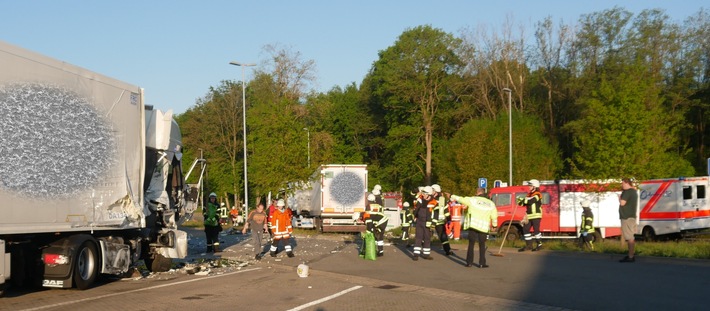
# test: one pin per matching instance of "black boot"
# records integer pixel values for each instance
(528, 246)
(273, 254)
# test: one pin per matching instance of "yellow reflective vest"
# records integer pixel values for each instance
(481, 213)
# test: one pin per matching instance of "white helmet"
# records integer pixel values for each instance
(585, 203)
(534, 182)
(213, 195)
(371, 197)
(406, 204)
(281, 203)
(436, 187)
(376, 191)
(428, 190)
(377, 187)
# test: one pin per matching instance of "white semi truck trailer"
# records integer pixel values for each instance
(332, 199)
(90, 177)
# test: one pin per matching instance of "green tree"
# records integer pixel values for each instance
(411, 82)
(213, 128)
(340, 126)
(480, 149)
(625, 130)
(276, 119)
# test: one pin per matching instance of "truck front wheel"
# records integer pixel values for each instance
(158, 263)
(86, 265)
(512, 234)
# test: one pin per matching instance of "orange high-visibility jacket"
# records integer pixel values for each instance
(280, 223)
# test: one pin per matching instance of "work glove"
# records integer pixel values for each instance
(584, 234)
(521, 201)
(428, 224)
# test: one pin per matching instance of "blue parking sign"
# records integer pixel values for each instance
(483, 183)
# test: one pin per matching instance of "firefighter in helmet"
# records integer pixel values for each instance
(533, 213)
(211, 222)
(407, 220)
(280, 224)
(376, 222)
(377, 191)
(223, 214)
(586, 227)
(440, 218)
(422, 219)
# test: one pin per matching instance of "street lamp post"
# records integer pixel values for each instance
(244, 132)
(308, 132)
(510, 138)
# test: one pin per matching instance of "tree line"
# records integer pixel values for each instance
(612, 95)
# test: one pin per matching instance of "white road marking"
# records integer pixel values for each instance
(133, 291)
(313, 303)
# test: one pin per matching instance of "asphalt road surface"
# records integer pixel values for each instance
(340, 280)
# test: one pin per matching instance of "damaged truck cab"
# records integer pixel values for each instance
(91, 181)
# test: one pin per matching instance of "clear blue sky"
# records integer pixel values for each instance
(177, 49)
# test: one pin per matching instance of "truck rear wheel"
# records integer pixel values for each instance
(597, 236)
(319, 224)
(86, 265)
(648, 234)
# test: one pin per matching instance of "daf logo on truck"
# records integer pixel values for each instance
(53, 283)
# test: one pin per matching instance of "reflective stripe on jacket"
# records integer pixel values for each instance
(407, 217)
(280, 222)
(441, 211)
(587, 222)
(533, 202)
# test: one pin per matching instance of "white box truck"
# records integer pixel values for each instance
(332, 199)
(90, 177)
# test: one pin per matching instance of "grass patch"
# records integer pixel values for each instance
(193, 224)
(699, 249)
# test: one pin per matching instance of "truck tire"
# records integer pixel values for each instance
(648, 234)
(319, 224)
(158, 263)
(597, 237)
(86, 265)
(513, 233)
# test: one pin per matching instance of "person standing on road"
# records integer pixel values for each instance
(533, 212)
(257, 222)
(280, 224)
(223, 214)
(586, 227)
(628, 203)
(269, 212)
(211, 222)
(422, 219)
(440, 218)
(481, 215)
(234, 214)
(376, 222)
(407, 220)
